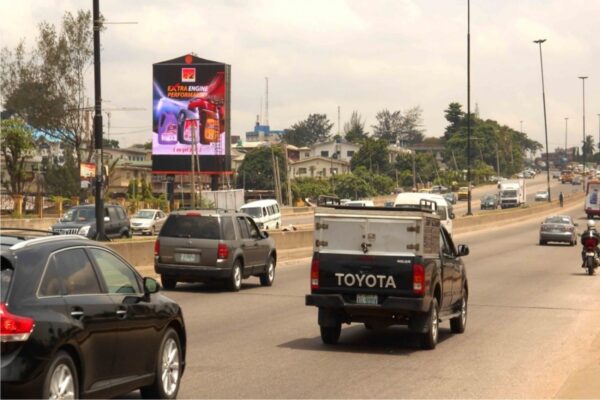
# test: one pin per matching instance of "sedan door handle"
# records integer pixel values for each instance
(77, 314)
(121, 313)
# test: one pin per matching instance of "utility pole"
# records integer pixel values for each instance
(414, 174)
(497, 161)
(539, 42)
(566, 128)
(469, 106)
(98, 124)
(287, 175)
(583, 78)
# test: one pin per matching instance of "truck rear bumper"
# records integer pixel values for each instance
(392, 305)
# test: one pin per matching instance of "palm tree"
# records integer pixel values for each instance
(588, 146)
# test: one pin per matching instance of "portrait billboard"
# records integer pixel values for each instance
(190, 107)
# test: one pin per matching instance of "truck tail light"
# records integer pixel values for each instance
(418, 279)
(14, 328)
(156, 248)
(222, 251)
(314, 272)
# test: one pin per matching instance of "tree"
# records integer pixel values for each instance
(46, 87)
(354, 130)
(411, 123)
(16, 143)
(110, 143)
(373, 155)
(455, 116)
(394, 127)
(256, 171)
(64, 180)
(588, 147)
(316, 128)
(388, 126)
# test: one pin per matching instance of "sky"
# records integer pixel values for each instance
(356, 55)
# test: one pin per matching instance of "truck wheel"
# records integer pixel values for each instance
(267, 278)
(168, 282)
(542, 242)
(458, 324)
(331, 334)
(429, 338)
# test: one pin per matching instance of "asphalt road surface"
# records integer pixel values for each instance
(533, 318)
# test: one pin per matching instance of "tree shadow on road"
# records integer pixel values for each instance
(357, 339)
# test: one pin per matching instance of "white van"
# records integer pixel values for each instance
(265, 213)
(444, 209)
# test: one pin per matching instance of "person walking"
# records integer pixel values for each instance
(561, 198)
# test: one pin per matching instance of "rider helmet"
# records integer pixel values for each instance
(591, 224)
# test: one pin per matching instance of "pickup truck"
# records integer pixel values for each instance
(387, 266)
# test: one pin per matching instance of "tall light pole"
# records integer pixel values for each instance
(599, 132)
(469, 107)
(539, 42)
(583, 78)
(566, 130)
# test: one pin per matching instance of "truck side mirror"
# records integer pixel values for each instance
(463, 250)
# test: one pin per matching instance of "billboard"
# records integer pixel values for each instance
(190, 108)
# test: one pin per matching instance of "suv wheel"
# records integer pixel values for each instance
(331, 334)
(235, 281)
(168, 369)
(267, 278)
(458, 324)
(429, 338)
(61, 380)
(168, 283)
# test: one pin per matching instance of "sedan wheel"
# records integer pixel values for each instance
(61, 380)
(168, 369)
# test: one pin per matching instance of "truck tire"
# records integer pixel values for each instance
(267, 278)
(429, 338)
(168, 282)
(235, 281)
(331, 334)
(458, 324)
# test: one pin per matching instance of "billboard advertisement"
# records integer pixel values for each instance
(190, 109)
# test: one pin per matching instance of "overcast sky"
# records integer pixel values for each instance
(359, 55)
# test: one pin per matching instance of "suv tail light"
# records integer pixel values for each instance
(418, 279)
(222, 251)
(157, 248)
(14, 328)
(315, 266)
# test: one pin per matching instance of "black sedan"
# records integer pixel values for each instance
(79, 321)
(489, 202)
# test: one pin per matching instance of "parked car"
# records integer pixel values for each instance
(207, 245)
(463, 193)
(541, 195)
(489, 202)
(558, 228)
(148, 221)
(439, 189)
(81, 220)
(450, 197)
(79, 321)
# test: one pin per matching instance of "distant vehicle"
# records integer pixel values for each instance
(265, 213)
(148, 221)
(566, 176)
(344, 201)
(592, 199)
(450, 197)
(541, 195)
(556, 175)
(444, 210)
(489, 202)
(78, 321)
(512, 194)
(463, 193)
(81, 220)
(388, 204)
(576, 180)
(558, 228)
(439, 189)
(206, 245)
(360, 203)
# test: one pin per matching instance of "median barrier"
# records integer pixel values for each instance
(28, 223)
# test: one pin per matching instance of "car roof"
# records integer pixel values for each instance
(414, 198)
(46, 240)
(260, 203)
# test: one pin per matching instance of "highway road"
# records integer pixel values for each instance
(533, 326)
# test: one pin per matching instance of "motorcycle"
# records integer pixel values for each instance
(590, 240)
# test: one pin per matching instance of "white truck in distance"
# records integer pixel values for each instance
(511, 193)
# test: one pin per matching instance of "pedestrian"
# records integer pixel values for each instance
(561, 198)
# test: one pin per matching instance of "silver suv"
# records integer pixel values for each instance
(206, 245)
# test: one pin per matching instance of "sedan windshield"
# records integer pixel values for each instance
(79, 215)
(144, 214)
(254, 212)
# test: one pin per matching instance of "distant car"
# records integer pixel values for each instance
(81, 220)
(576, 180)
(558, 228)
(556, 175)
(148, 221)
(489, 202)
(439, 189)
(388, 204)
(542, 195)
(212, 245)
(360, 203)
(345, 201)
(450, 197)
(463, 193)
(78, 321)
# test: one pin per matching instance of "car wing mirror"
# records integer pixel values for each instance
(452, 216)
(265, 234)
(151, 285)
(463, 250)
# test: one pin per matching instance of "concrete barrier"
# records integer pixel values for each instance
(29, 223)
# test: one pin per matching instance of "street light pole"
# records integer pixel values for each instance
(539, 42)
(583, 78)
(469, 107)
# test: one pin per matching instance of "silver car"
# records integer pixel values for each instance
(558, 228)
(148, 221)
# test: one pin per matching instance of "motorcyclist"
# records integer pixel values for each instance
(590, 231)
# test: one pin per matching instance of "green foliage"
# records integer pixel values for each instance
(16, 142)
(316, 128)
(256, 171)
(373, 155)
(456, 117)
(110, 144)
(352, 186)
(64, 180)
(303, 188)
(394, 127)
(46, 86)
(588, 147)
(354, 130)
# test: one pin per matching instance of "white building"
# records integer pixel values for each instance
(332, 149)
(313, 167)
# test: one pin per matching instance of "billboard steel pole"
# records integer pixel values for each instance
(98, 124)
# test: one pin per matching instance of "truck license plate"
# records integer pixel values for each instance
(366, 299)
(184, 257)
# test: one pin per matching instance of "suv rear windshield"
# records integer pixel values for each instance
(191, 226)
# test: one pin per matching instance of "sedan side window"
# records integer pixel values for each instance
(69, 272)
(118, 276)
